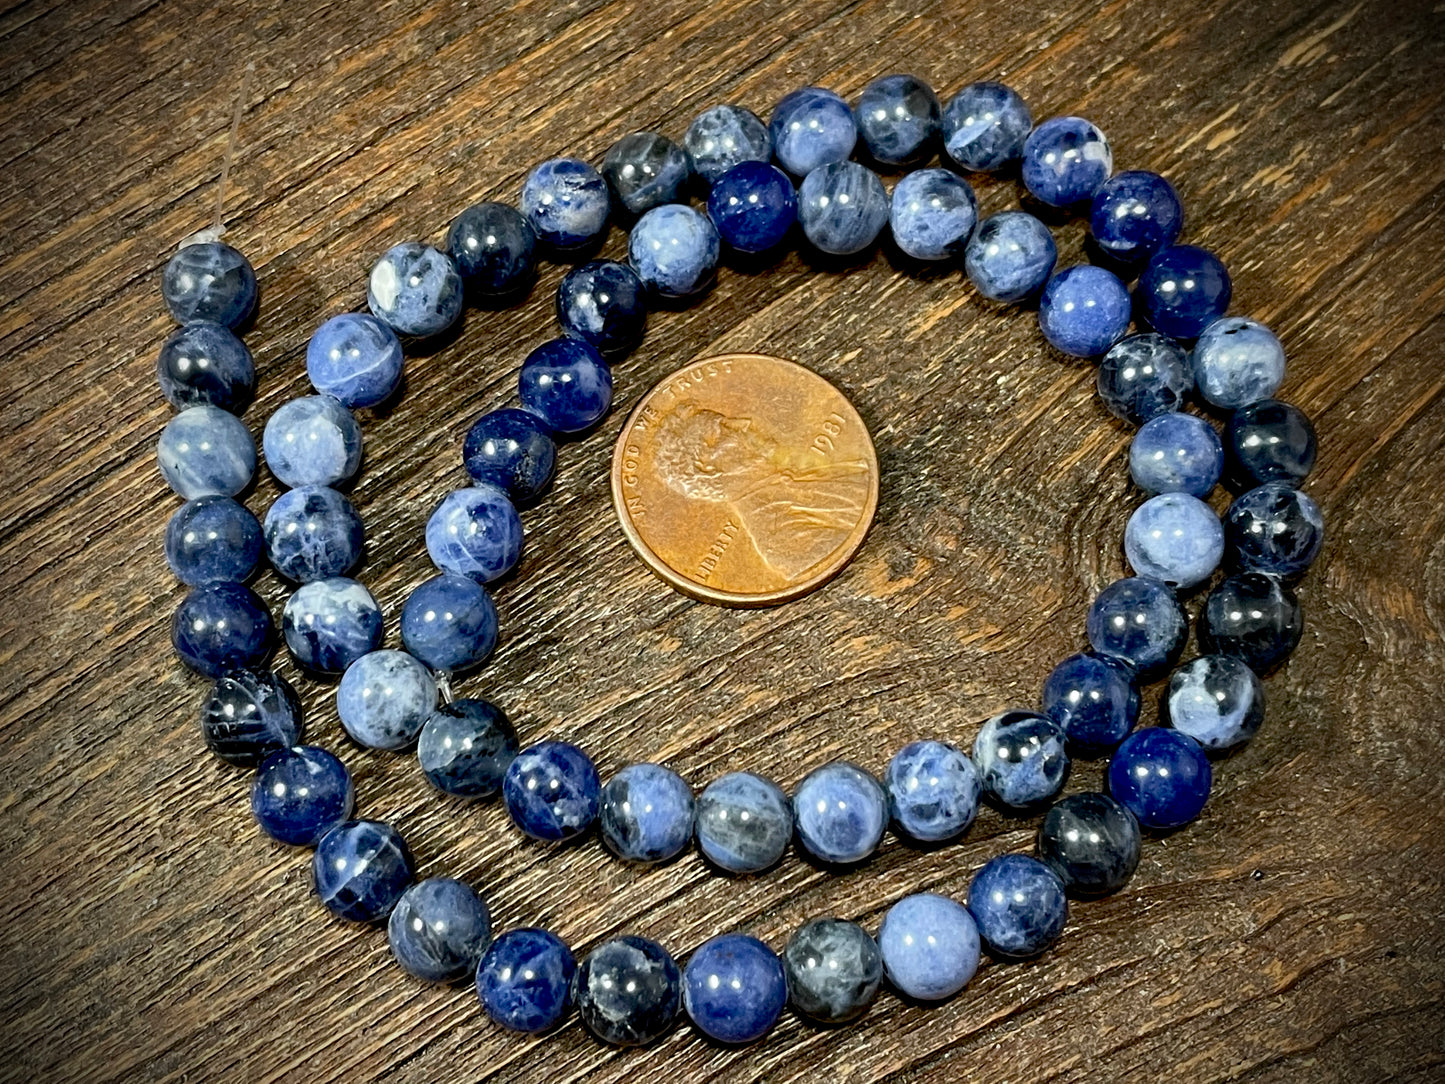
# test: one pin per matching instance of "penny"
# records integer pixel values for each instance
(745, 480)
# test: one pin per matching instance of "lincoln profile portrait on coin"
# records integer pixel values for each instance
(795, 506)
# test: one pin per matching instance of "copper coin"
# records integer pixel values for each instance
(745, 480)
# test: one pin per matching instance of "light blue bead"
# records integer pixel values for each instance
(1010, 256)
(566, 203)
(1084, 310)
(734, 988)
(1143, 376)
(204, 362)
(1020, 758)
(840, 812)
(475, 532)
(312, 441)
(552, 791)
(524, 979)
(567, 384)
(356, 358)
(1174, 538)
(416, 289)
(449, 622)
(1066, 160)
(300, 794)
(721, 137)
(1217, 700)
(1018, 904)
(933, 788)
(646, 813)
(1161, 776)
(674, 250)
(744, 822)
(361, 868)
(842, 208)
(312, 533)
(206, 452)
(810, 128)
(1140, 621)
(329, 624)
(930, 946)
(898, 120)
(213, 540)
(439, 929)
(932, 214)
(1176, 453)
(385, 698)
(209, 281)
(984, 126)
(1237, 362)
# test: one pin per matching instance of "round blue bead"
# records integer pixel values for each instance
(1182, 291)
(603, 303)
(206, 452)
(628, 991)
(1174, 538)
(221, 627)
(646, 813)
(416, 289)
(1217, 700)
(842, 208)
(1134, 215)
(449, 622)
(984, 127)
(1095, 700)
(1161, 776)
(566, 383)
(465, 748)
(209, 281)
(646, 170)
(1236, 362)
(933, 790)
(250, 714)
(1010, 256)
(1140, 621)
(932, 214)
(1084, 310)
(552, 791)
(1274, 528)
(1270, 441)
(674, 250)
(1176, 453)
(1144, 376)
(511, 449)
(524, 979)
(565, 201)
(355, 358)
(1252, 617)
(930, 946)
(1066, 160)
(744, 822)
(1020, 758)
(898, 119)
(204, 362)
(840, 812)
(1018, 904)
(721, 137)
(360, 869)
(475, 532)
(213, 540)
(313, 533)
(312, 441)
(1091, 842)
(300, 794)
(384, 699)
(439, 929)
(329, 624)
(811, 127)
(734, 988)
(834, 970)
(753, 205)
(494, 248)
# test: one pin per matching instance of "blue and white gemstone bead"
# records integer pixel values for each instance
(898, 119)
(494, 249)
(329, 624)
(1182, 291)
(475, 532)
(512, 449)
(1021, 758)
(213, 540)
(811, 127)
(567, 384)
(1217, 700)
(552, 791)
(250, 714)
(1066, 161)
(1174, 538)
(734, 988)
(723, 136)
(985, 126)
(1176, 453)
(1144, 376)
(438, 929)
(933, 789)
(753, 205)
(209, 281)
(1161, 776)
(1134, 215)
(1139, 621)
(205, 451)
(312, 441)
(360, 869)
(674, 250)
(300, 794)
(646, 813)
(1094, 698)
(415, 289)
(524, 979)
(842, 208)
(744, 822)
(840, 812)
(384, 699)
(1084, 310)
(222, 627)
(1236, 362)
(449, 622)
(930, 946)
(1018, 904)
(1010, 256)
(313, 533)
(466, 747)
(932, 214)
(566, 203)
(204, 362)
(355, 358)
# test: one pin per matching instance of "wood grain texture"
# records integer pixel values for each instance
(148, 932)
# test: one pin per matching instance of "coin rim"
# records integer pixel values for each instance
(738, 600)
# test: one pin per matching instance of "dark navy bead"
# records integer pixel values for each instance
(1176, 453)
(1019, 905)
(933, 790)
(1020, 758)
(834, 970)
(753, 205)
(1236, 362)
(222, 627)
(1091, 842)
(984, 127)
(213, 540)
(449, 622)
(1066, 161)
(646, 170)
(1010, 256)
(415, 289)
(1274, 528)
(1254, 618)
(466, 747)
(898, 119)
(494, 248)
(811, 127)
(932, 214)
(360, 869)
(1269, 441)
(628, 991)
(603, 303)
(734, 988)
(646, 813)
(1134, 215)
(313, 533)
(721, 137)
(204, 362)
(475, 532)
(842, 208)
(674, 250)
(209, 281)
(384, 699)
(1217, 700)
(1144, 376)
(840, 812)
(1084, 310)
(524, 979)
(439, 929)
(1141, 622)
(1161, 776)
(250, 714)
(329, 624)
(206, 452)
(930, 946)
(744, 822)
(312, 441)
(511, 449)
(566, 202)
(300, 794)
(355, 358)
(566, 383)
(1094, 698)
(1174, 538)
(552, 791)
(1182, 291)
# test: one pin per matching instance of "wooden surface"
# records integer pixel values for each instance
(149, 932)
